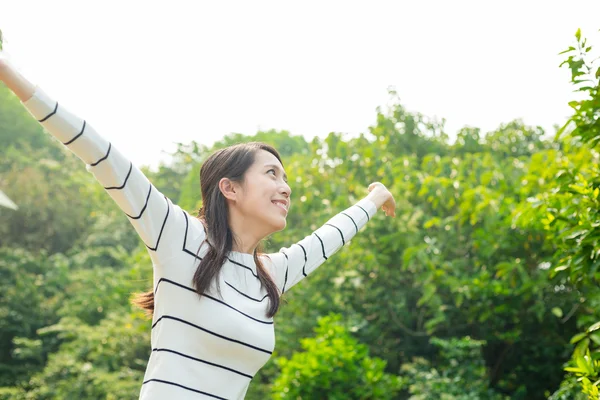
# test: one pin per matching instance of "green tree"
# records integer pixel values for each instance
(32, 290)
(333, 365)
(459, 373)
(567, 209)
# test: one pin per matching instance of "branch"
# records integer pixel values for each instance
(404, 327)
(570, 314)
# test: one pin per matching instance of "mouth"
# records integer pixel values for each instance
(281, 204)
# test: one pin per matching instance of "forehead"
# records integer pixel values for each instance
(264, 158)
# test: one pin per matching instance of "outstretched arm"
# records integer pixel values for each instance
(292, 264)
(14, 80)
(162, 226)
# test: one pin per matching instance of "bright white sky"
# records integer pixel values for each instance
(147, 74)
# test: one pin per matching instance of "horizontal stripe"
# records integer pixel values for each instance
(366, 213)
(341, 234)
(245, 295)
(305, 259)
(145, 205)
(210, 332)
(212, 298)
(351, 219)
(184, 387)
(103, 158)
(322, 246)
(49, 115)
(203, 361)
(173, 283)
(124, 182)
(161, 228)
(185, 250)
(242, 265)
(287, 265)
(76, 136)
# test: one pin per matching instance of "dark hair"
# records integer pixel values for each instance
(231, 162)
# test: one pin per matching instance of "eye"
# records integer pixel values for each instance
(273, 171)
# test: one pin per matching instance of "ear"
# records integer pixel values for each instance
(229, 189)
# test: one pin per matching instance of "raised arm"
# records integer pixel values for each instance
(292, 264)
(161, 225)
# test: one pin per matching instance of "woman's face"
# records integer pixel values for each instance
(265, 196)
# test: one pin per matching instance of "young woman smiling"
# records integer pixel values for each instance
(215, 292)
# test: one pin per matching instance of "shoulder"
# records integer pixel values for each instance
(270, 262)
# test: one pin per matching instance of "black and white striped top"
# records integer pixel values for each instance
(209, 347)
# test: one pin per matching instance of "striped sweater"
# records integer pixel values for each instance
(205, 347)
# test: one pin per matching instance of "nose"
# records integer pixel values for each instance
(285, 190)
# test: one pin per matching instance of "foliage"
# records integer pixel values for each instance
(568, 210)
(459, 374)
(585, 76)
(32, 290)
(105, 361)
(333, 365)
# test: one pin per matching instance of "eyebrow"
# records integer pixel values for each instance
(285, 177)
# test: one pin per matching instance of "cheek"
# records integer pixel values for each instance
(259, 193)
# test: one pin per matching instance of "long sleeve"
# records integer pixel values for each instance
(292, 264)
(160, 224)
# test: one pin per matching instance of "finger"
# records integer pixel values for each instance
(374, 185)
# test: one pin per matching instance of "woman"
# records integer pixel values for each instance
(215, 294)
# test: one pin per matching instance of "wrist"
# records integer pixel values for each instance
(377, 197)
(4, 69)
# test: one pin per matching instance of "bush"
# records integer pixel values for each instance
(333, 366)
(460, 373)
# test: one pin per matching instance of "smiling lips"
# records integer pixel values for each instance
(281, 204)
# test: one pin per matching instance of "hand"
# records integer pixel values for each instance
(13, 79)
(4, 63)
(3, 58)
(382, 197)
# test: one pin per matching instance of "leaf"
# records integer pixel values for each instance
(582, 346)
(571, 48)
(428, 292)
(582, 364)
(577, 234)
(578, 34)
(578, 337)
(594, 327)
(574, 369)
(557, 312)
(432, 222)
(561, 268)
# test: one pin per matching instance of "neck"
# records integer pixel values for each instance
(245, 240)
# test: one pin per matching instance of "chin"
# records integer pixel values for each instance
(279, 225)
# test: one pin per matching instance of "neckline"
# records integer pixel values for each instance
(244, 258)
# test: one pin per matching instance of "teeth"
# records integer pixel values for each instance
(282, 205)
